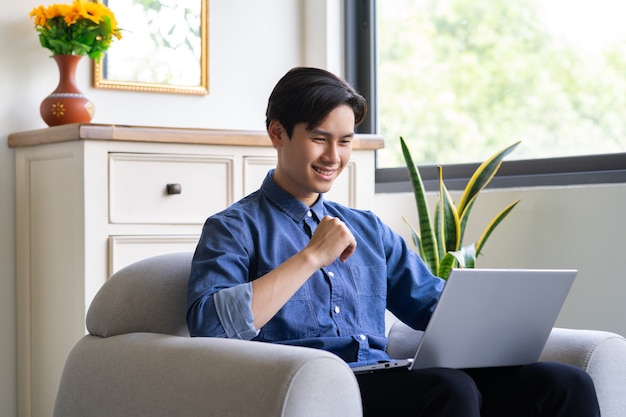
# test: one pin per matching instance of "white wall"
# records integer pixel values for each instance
(580, 227)
(251, 44)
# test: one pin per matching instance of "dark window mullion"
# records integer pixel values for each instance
(360, 60)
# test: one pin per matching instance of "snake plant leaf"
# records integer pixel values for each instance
(463, 217)
(415, 237)
(448, 226)
(439, 234)
(428, 239)
(492, 225)
(469, 255)
(447, 263)
(440, 246)
(482, 176)
(464, 258)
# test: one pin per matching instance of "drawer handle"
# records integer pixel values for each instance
(173, 189)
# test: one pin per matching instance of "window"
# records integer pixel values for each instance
(460, 79)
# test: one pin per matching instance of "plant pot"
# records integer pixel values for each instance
(66, 104)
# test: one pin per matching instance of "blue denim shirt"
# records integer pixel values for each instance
(341, 308)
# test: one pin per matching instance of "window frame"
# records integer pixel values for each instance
(360, 71)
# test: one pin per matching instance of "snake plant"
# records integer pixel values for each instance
(440, 244)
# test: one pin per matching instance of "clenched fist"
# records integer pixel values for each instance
(332, 239)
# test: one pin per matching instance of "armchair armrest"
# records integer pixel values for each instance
(403, 340)
(162, 375)
(602, 355)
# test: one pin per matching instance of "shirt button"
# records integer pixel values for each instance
(337, 309)
(331, 274)
(308, 213)
(362, 337)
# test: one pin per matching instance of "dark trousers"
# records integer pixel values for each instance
(540, 389)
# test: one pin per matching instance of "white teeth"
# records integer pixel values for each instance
(322, 171)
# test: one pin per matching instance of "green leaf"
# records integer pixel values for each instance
(482, 176)
(464, 217)
(449, 227)
(464, 258)
(428, 238)
(441, 250)
(447, 263)
(492, 225)
(415, 236)
(469, 255)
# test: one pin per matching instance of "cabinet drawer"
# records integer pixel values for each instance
(138, 188)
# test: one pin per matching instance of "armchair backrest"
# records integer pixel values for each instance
(147, 296)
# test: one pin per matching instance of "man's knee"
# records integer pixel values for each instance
(565, 386)
(452, 388)
(554, 375)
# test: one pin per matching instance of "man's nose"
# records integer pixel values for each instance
(332, 152)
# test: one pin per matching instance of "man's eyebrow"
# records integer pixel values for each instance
(322, 132)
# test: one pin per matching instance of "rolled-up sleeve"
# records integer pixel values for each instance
(233, 307)
(219, 294)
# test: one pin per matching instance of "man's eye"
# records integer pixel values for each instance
(319, 139)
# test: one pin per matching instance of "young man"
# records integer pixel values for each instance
(284, 265)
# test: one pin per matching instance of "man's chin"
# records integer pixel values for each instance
(323, 189)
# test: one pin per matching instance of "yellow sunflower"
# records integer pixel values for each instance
(80, 28)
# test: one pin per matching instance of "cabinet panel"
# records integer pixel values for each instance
(54, 282)
(125, 250)
(254, 171)
(138, 188)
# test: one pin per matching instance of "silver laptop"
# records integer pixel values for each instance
(489, 317)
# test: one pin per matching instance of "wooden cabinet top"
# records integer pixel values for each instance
(91, 131)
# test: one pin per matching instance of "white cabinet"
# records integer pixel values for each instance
(92, 199)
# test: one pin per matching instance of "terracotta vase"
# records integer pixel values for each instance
(66, 104)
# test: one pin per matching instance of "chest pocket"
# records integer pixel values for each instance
(370, 282)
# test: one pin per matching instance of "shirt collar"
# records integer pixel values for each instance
(287, 203)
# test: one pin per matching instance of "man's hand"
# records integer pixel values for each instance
(332, 239)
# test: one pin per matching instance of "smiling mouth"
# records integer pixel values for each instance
(324, 172)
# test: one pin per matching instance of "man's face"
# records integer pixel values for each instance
(309, 163)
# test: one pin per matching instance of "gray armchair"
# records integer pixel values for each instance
(138, 359)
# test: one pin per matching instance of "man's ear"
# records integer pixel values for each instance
(275, 132)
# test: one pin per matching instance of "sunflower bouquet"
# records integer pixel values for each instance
(80, 28)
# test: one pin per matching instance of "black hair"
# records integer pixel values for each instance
(308, 95)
